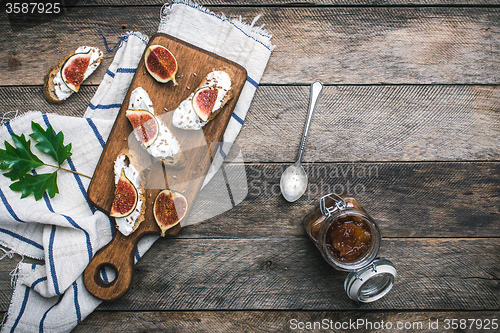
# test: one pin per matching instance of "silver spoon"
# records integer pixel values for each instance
(293, 182)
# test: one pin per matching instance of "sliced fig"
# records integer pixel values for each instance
(169, 208)
(74, 68)
(145, 125)
(204, 101)
(161, 63)
(125, 199)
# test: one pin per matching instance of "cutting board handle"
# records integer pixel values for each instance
(119, 256)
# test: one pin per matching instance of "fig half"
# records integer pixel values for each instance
(169, 209)
(145, 125)
(161, 63)
(204, 101)
(125, 199)
(74, 68)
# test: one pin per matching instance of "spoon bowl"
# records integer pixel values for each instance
(293, 181)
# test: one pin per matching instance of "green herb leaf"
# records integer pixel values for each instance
(37, 184)
(21, 161)
(51, 143)
(19, 158)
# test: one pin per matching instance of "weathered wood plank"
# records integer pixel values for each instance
(7, 266)
(21, 99)
(284, 3)
(375, 123)
(337, 45)
(406, 199)
(282, 321)
(289, 273)
(351, 123)
(414, 45)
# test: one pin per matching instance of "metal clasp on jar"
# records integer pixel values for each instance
(328, 210)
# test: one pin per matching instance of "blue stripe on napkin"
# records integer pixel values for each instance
(137, 255)
(222, 153)
(104, 275)
(125, 70)
(252, 82)
(40, 329)
(21, 238)
(23, 308)
(51, 260)
(77, 305)
(96, 131)
(9, 128)
(33, 285)
(104, 107)
(102, 143)
(237, 118)
(70, 220)
(9, 207)
(120, 70)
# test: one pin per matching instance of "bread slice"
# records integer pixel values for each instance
(125, 161)
(178, 161)
(229, 92)
(165, 146)
(50, 86)
(185, 116)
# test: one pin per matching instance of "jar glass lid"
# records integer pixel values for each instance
(371, 282)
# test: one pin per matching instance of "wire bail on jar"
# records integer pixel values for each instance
(328, 210)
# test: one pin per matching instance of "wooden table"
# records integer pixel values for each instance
(409, 122)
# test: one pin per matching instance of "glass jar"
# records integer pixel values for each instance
(349, 240)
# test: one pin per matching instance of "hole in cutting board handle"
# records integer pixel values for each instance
(106, 275)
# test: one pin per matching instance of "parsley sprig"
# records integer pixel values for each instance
(22, 162)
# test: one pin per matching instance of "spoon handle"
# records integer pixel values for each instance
(316, 88)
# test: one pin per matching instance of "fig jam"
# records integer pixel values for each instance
(348, 239)
(344, 233)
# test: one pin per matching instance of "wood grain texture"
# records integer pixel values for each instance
(374, 123)
(351, 123)
(290, 274)
(275, 321)
(406, 199)
(417, 45)
(430, 137)
(336, 45)
(30, 98)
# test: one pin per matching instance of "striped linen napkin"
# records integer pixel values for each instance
(64, 232)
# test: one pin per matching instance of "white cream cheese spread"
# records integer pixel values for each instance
(222, 81)
(62, 91)
(165, 145)
(186, 118)
(126, 224)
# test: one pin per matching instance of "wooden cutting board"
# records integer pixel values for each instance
(198, 146)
